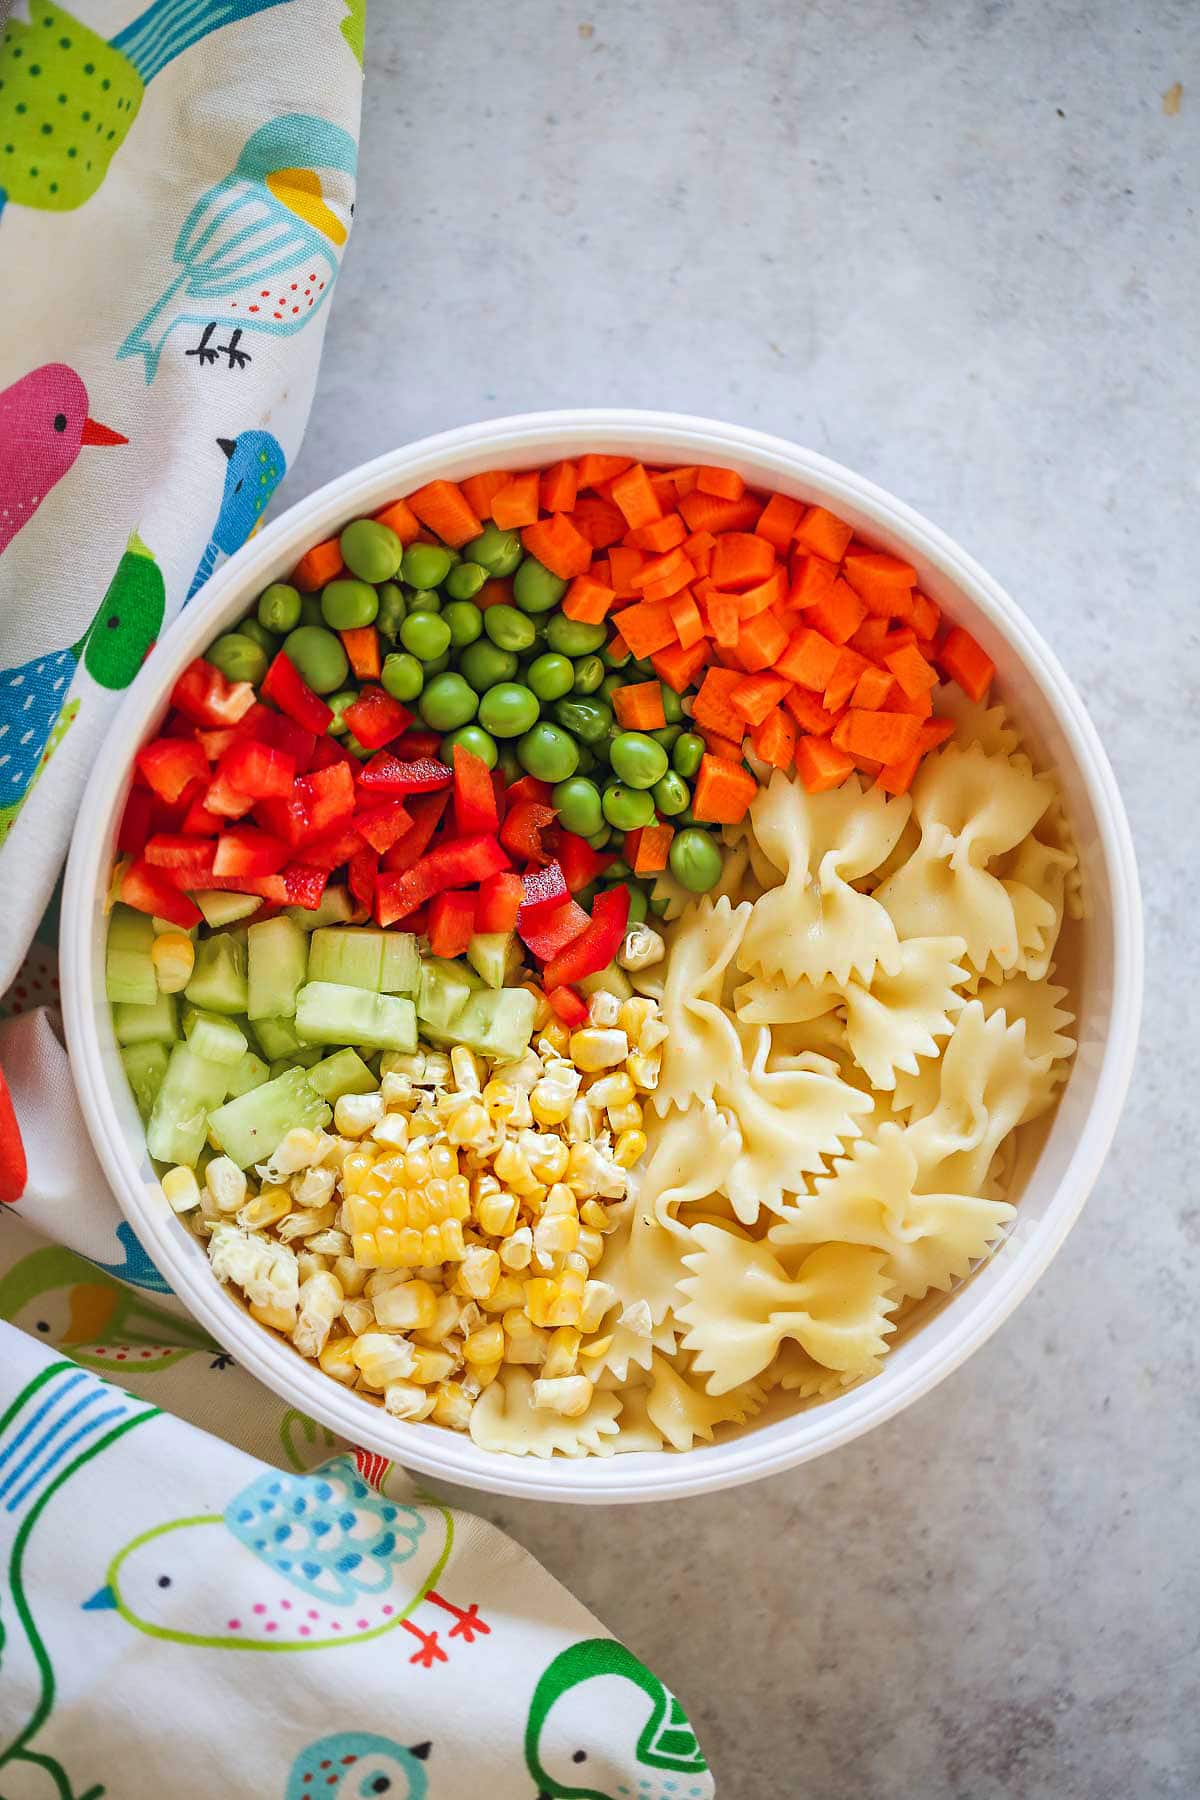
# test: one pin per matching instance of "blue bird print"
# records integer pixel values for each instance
(256, 465)
(260, 251)
(135, 1266)
(358, 1765)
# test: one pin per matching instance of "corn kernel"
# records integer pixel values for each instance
(445, 1320)
(590, 1245)
(381, 1359)
(524, 1342)
(320, 1303)
(278, 1315)
(525, 1073)
(547, 1156)
(554, 1038)
(300, 1149)
(633, 1016)
(596, 1347)
(593, 1050)
(549, 1103)
(497, 1214)
(397, 1090)
(351, 1278)
(313, 1188)
(391, 1132)
(629, 1148)
(328, 1243)
(603, 1009)
(541, 1296)
(406, 1306)
(483, 1374)
(569, 1395)
(180, 1188)
(554, 1236)
(359, 1315)
(309, 1263)
(625, 1118)
(502, 1100)
(431, 1365)
(544, 1011)
(480, 1272)
(227, 1184)
(516, 1252)
(174, 957)
(612, 1090)
(598, 1298)
(512, 1167)
(508, 1292)
(643, 1070)
(485, 1345)
(337, 1359)
(265, 1208)
(561, 1352)
(405, 1400)
(357, 1114)
(452, 1405)
(465, 1069)
(596, 1217)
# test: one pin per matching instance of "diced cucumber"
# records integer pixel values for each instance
(161, 926)
(221, 908)
(612, 980)
(445, 989)
(218, 981)
(330, 1013)
(249, 1128)
(276, 1037)
(497, 1022)
(190, 1089)
(216, 1038)
(401, 970)
(336, 908)
(154, 1024)
(145, 1066)
(349, 955)
(495, 955)
(277, 963)
(344, 1072)
(130, 930)
(249, 1073)
(128, 970)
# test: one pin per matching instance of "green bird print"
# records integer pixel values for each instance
(67, 1301)
(603, 1727)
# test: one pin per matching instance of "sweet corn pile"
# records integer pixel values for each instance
(451, 1222)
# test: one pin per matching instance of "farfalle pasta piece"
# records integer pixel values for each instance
(817, 923)
(504, 1418)
(977, 722)
(1047, 1039)
(931, 1240)
(986, 1084)
(795, 1372)
(905, 1009)
(740, 1303)
(773, 1000)
(688, 1157)
(701, 1041)
(636, 1430)
(1035, 878)
(683, 1412)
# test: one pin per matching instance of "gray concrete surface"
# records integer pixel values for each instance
(955, 246)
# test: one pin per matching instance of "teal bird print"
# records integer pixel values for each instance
(67, 1301)
(72, 95)
(603, 1727)
(256, 464)
(358, 1765)
(260, 251)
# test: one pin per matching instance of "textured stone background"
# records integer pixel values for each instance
(953, 245)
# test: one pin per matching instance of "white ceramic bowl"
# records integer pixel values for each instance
(1106, 984)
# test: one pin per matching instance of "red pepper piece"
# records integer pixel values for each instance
(385, 777)
(568, 1005)
(257, 769)
(594, 948)
(220, 796)
(304, 886)
(283, 684)
(384, 824)
(288, 819)
(528, 787)
(414, 746)
(245, 851)
(203, 695)
(474, 796)
(199, 821)
(451, 922)
(329, 751)
(186, 862)
(327, 796)
(331, 850)
(462, 862)
(426, 810)
(148, 889)
(549, 932)
(362, 872)
(499, 901)
(282, 733)
(581, 865)
(543, 889)
(134, 828)
(375, 718)
(170, 765)
(521, 832)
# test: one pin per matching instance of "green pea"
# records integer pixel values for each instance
(508, 765)
(393, 610)
(671, 794)
(687, 754)
(610, 684)
(508, 628)
(402, 676)
(618, 870)
(370, 550)
(426, 565)
(508, 710)
(637, 903)
(310, 611)
(465, 622)
(627, 808)
(550, 676)
(484, 665)
(643, 669)
(600, 840)
(498, 551)
(337, 704)
(427, 635)
(474, 738)
(659, 906)
(347, 605)
(355, 748)
(279, 608)
(588, 760)
(425, 600)
(447, 702)
(548, 753)
(238, 657)
(436, 664)
(586, 895)
(465, 580)
(319, 658)
(637, 759)
(686, 817)
(590, 720)
(672, 703)
(577, 803)
(589, 674)
(695, 860)
(535, 589)
(266, 640)
(571, 637)
(612, 660)
(666, 735)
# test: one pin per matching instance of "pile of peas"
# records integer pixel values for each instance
(522, 686)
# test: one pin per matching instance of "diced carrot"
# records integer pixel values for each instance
(636, 498)
(516, 503)
(361, 645)
(724, 620)
(872, 689)
(678, 665)
(839, 615)
(601, 571)
(812, 578)
(723, 791)
(594, 469)
(883, 581)
(705, 512)
(317, 566)
(730, 749)
(665, 491)
(778, 521)
(823, 534)
(965, 662)
(683, 480)
(911, 670)
(556, 543)
(761, 641)
(774, 739)
(923, 615)
(659, 568)
(933, 733)
(808, 712)
(771, 592)
(713, 705)
(842, 683)
(756, 696)
(624, 564)
(399, 517)
(870, 765)
(685, 616)
(639, 706)
(887, 737)
(558, 487)
(820, 765)
(741, 560)
(647, 627)
(598, 520)
(481, 490)
(660, 535)
(920, 706)
(588, 600)
(809, 659)
(871, 638)
(649, 848)
(496, 592)
(699, 551)
(726, 484)
(669, 585)
(897, 777)
(617, 646)
(444, 507)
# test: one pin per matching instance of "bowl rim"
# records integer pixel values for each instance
(455, 1457)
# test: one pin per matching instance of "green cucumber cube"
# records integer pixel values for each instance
(401, 971)
(153, 1024)
(249, 1073)
(348, 955)
(612, 980)
(495, 955)
(328, 1012)
(497, 1022)
(128, 969)
(445, 989)
(218, 981)
(221, 908)
(336, 908)
(216, 1038)
(249, 1128)
(191, 1088)
(145, 1066)
(344, 1072)
(277, 964)
(276, 1037)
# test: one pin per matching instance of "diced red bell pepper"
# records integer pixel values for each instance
(283, 684)
(200, 821)
(415, 746)
(327, 796)
(186, 862)
(528, 787)
(451, 922)
(426, 810)
(567, 1004)
(475, 807)
(543, 889)
(304, 886)
(134, 828)
(499, 901)
(287, 819)
(332, 849)
(245, 851)
(284, 734)
(147, 889)
(220, 796)
(375, 718)
(594, 948)
(362, 872)
(548, 932)
(500, 790)
(385, 777)
(257, 769)
(521, 832)
(215, 743)
(170, 765)
(462, 862)
(581, 865)
(203, 695)
(326, 752)
(383, 824)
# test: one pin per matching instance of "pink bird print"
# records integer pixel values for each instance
(44, 423)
